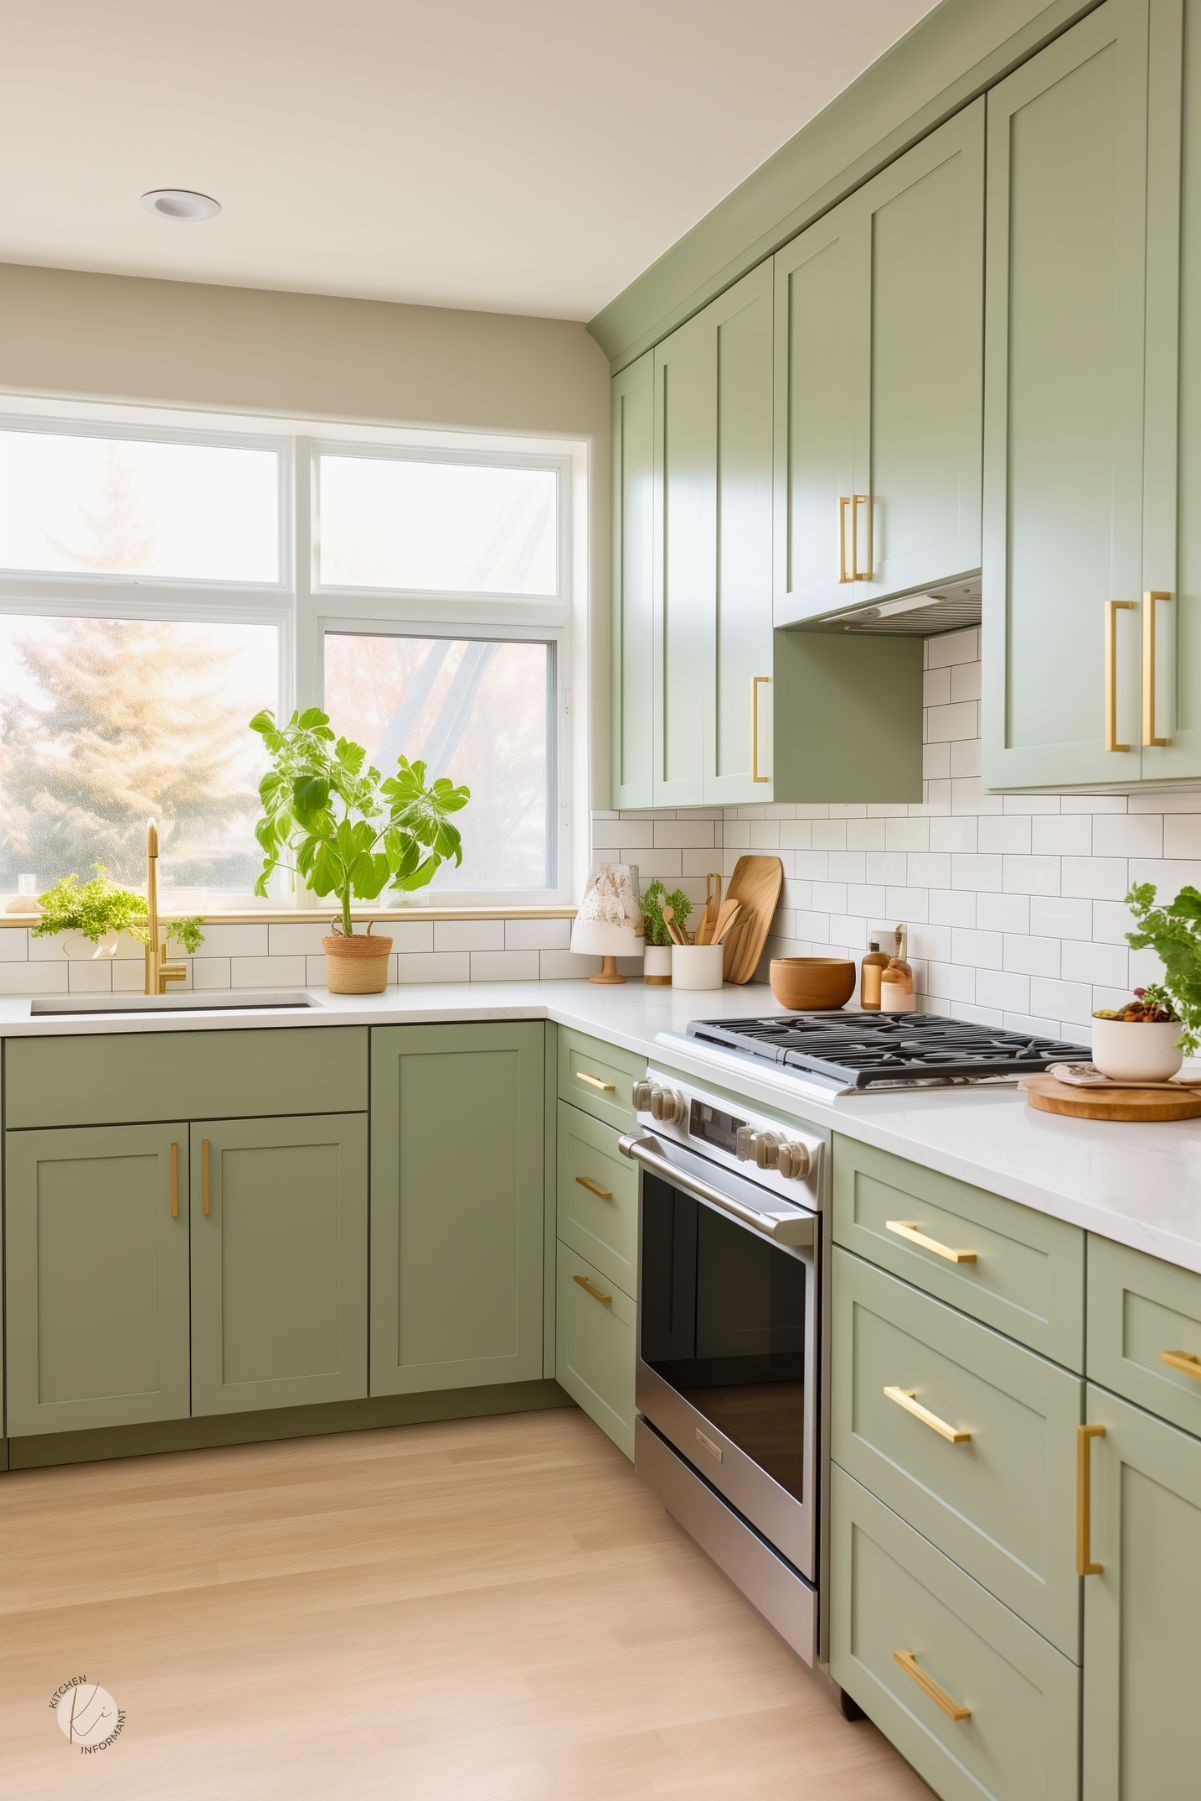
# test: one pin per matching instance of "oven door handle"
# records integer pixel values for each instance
(792, 1229)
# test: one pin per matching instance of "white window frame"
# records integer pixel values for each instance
(304, 611)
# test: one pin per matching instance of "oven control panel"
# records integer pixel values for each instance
(787, 1160)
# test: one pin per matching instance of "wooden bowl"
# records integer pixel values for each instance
(812, 984)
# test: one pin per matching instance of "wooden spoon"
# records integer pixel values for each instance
(669, 917)
(704, 932)
(725, 919)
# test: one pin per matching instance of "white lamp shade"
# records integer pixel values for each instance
(607, 922)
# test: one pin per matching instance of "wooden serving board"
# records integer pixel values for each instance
(1128, 1104)
(755, 885)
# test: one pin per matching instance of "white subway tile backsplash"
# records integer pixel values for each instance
(977, 872)
(1133, 835)
(537, 934)
(34, 978)
(14, 944)
(1098, 878)
(1071, 1002)
(952, 909)
(1032, 875)
(1181, 835)
(1007, 989)
(1106, 963)
(1007, 832)
(442, 966)
(1058, 918)
(505, 966)
(1062, 835)
(469, 934)
(88, 976)
(1032, 956)
(985, 949)
(268, 972)
(1003, 912)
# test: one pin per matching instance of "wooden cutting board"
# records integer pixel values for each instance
(1128, 1104)
(755, 885)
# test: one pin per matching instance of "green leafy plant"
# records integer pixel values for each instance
(651, 907)
(1174, 934)
(352, 832)
(98, 907)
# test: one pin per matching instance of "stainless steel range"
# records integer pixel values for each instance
(728, 1374)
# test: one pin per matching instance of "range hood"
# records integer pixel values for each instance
(946, 608)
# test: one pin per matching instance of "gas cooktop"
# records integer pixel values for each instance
(864, 1050)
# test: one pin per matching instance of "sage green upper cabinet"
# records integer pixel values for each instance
(279, 1262)
(1064, 335)
(457, 1199)
(1142, 1729)
(632, 671)
(712, 649)
(96, 1277)
(878, 361)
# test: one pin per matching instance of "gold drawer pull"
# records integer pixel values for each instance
(206, 1177)
(1084, 1501)
(598, 1294)
(602, 1194)
(1112, 609)
(904, 1397)
(1184, 1361)
(904, 1228)
(581, 1075)
(174, 1181)
(952, 1709)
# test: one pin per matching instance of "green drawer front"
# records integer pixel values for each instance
(101, 1080)
(599, 1078)
(891, 1591)
(1140, 1309)
(1027, 1276)
(598, 1197)
(1001, 1503)
(596, 1344)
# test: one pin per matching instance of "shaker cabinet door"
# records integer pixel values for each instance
(632, 659)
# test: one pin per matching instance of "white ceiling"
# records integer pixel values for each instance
(527, 156)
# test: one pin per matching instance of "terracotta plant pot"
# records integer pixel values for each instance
(357, 965)
(812, 984)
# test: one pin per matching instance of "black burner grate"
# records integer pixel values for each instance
(860, 1049)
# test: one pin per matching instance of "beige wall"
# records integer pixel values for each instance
(114, 337)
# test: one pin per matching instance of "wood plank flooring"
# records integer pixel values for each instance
(482, 1610)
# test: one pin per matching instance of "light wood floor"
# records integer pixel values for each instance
(486, 1610)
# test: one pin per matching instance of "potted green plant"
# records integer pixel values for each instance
(351, 832)
(1148, 1037)
(100, 913)
(656, 957)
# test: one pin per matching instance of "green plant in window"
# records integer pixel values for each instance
(651, 907)
(99, 907)
(352, 831)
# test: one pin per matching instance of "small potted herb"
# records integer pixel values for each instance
(100, 913)
(1148, 1037)
(1150, 1054)
(656, 958)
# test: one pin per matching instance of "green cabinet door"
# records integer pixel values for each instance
(96, 1276)
(1064, 334)
(279, 1262)
(1142, 1612)
(632, 646)
(457, 1205)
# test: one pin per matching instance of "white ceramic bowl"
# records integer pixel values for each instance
(697, 965)
(1130, 1051)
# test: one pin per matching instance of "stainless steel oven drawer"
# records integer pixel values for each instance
(784, 1598)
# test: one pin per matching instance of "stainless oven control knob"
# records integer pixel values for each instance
(668, 1106)
(793, 1160)
(642, 1096)
(767, 1150)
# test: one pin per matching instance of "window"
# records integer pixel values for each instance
(159, 585)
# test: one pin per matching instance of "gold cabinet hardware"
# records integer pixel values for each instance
(756, 681)
(952, 1709)
(906, 1398)
(174, 1181)
(598, 1294)
(1150, 600)
(1084, 1501)
(206, 1177)
(1184, 1361)
(581, 1075)
(602, 1194)
(857, 574)
(1112, 609)
(844, 501)
(904, 1228)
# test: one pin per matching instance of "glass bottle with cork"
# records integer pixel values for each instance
(896, 981)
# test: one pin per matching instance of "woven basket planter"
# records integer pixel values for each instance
(357, 965)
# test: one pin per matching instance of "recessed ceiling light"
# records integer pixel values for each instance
(180, 203)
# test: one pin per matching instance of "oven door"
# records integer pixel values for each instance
(728, 1339)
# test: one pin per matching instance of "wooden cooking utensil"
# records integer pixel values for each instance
(730, 913)
(704, 932)
(755, 885)
(669, 920)
(1050, 1096)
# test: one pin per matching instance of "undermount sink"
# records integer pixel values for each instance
(223, 1002)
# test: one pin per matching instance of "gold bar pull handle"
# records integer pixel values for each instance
(1084, 1501)
(756, 682)
(581, 1075)
(1150, 600)
(844, 501)
(951, 1708)
(602, 1194)
(904, 1228)
(174, 1181)
(1112, 609)
(1184, 1361)
(598, 1294)
(857, 574)
(906, 1398)
(206, 1179)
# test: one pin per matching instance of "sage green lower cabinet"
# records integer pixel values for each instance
(457, 1205)
(596, 1346)
(907, 1627)
(279, 1262)
(1142, 1611)
(96, 1277)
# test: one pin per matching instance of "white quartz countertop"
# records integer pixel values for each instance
(1137, 1184)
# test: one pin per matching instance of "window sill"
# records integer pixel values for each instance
(313, 915)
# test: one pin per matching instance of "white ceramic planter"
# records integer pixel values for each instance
(697, 966)
(1130, 1051)
(656, 965)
